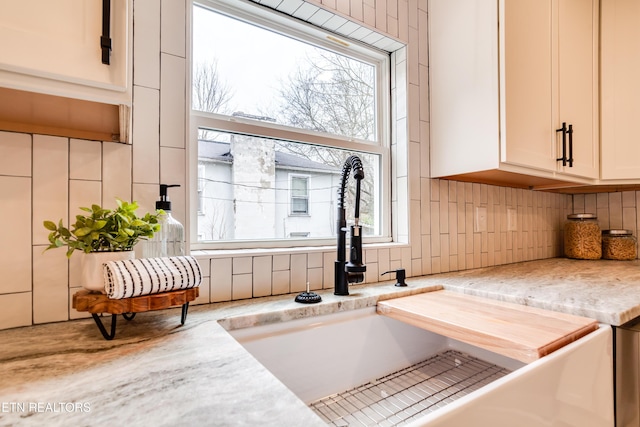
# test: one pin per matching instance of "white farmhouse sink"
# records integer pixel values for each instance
(326, 355)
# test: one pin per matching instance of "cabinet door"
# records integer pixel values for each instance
(576, 42)
(54, 47)
(620, 87)
(526, 86)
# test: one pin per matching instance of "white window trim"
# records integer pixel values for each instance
(308, 178)
(196, 119)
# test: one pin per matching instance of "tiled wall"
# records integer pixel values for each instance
(614, 210)
(43, 177)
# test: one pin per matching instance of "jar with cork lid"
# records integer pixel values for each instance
(582, 237)
(619, 245)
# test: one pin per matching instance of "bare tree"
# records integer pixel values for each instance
(335, 94)
(209, 93)
(330, 93)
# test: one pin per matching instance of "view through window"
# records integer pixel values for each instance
(277, 112)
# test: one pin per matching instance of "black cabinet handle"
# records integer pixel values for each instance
(105, 38)
(563, 129)
(570, 159)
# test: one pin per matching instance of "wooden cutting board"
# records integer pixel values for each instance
(517, 331)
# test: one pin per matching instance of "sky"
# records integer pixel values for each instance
(254, 77)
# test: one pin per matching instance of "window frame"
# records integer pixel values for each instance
(273, 21)
(307, 180)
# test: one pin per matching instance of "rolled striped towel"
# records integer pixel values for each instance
(144, 276)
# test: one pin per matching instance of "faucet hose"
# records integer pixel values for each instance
(352, 163)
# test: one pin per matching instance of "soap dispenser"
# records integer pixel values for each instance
(169, 241)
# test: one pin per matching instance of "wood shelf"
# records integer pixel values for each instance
(94, 302)
(30, 112)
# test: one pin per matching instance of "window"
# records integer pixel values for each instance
(299, 195)
(276, 110)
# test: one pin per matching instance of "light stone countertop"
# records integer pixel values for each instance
(605, 290)
(156, 372)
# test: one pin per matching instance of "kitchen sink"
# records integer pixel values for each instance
(362, 368)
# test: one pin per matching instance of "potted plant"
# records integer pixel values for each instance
(102, 235)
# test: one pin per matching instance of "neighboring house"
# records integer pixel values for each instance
(248, 189)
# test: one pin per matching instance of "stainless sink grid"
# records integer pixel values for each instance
(410, 393)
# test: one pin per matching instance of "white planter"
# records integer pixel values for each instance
(91, 267)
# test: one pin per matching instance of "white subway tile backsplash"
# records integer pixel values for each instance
(314, 277)
(50, 286)
(205, 266)
(314, 260)
(373, 273)
(281, 262)
(384, 259)
(85, 194)
(262, 268)
(280, 282)
(173, 27)
(145, 135)
(146, 195)
(85, 160)
(16, 310)
(204, 296)
(629, 219)
(172, 100)
(329, 269)
(16, 154)
(629, 199)
(242, 265)
(221, 279)
(15, 240)
(298, 272)
(241, 287)
(50, 184)
(116, 167)
(146, 43)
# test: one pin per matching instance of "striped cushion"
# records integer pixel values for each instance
(135, 277)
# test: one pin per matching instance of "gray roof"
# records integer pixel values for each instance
(220, 151)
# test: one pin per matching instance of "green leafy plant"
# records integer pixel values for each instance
(103, 230)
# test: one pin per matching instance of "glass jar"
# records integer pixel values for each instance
(619, 245)
(582, 237)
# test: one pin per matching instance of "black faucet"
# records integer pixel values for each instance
(353, 271)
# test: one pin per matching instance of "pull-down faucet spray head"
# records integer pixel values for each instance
(353, 271)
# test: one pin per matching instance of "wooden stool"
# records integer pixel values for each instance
(96, 303)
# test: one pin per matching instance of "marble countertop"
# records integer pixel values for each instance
(156, 372)
(608, 291)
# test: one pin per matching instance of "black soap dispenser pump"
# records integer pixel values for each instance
(400, 276)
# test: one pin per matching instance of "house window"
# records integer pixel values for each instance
(275, 112)
(299, 195)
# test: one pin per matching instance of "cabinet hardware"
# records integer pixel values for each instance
(566, 131)
(563, 129)
(570, 159)
(105, 39)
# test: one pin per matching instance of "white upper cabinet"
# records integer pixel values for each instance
(504, 77)
(54, 47)
(620, 85)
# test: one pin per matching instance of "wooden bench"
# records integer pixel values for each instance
(97, 303)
